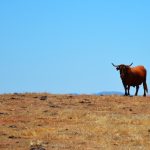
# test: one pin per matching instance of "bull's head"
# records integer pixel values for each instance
(123, 69)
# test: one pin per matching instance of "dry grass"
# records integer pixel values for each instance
(74, 122)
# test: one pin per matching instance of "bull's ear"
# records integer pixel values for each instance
(117, 68)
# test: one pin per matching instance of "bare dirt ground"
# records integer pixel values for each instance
(73, 122)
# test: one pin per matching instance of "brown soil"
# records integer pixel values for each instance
(73, 122)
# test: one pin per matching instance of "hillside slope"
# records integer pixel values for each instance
(74, 122)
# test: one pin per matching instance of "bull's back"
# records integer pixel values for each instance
(139, 71)
(138, 75)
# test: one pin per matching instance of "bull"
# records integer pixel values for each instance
(132, 76)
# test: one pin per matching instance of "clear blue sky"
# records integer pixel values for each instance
(67, 46)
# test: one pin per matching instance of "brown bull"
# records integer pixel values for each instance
(134, 76)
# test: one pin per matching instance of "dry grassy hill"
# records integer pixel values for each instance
(74, 122)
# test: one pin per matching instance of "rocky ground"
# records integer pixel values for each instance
(46, 121)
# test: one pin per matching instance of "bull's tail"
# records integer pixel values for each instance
(145, 86)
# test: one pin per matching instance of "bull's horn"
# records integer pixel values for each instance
(130, 64)
(114, 65)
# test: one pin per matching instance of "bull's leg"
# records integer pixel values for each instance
(145, 88)
(125, 88)
(137, 89)
(128, 89)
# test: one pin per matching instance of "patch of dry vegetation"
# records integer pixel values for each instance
(74, 122)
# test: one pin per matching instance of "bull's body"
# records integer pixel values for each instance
(134, 76)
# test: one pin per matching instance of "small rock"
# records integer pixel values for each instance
(81, 102)
(4, 134)
(70, 96)
(3, 113)
(12, 126)
(43, 98)
(39, 125)
(45, 111)
(53, 105)
(35, 97)
(12, 137)
(84, 101)
(37, 147)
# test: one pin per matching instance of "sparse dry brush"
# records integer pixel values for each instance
(49, 121)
